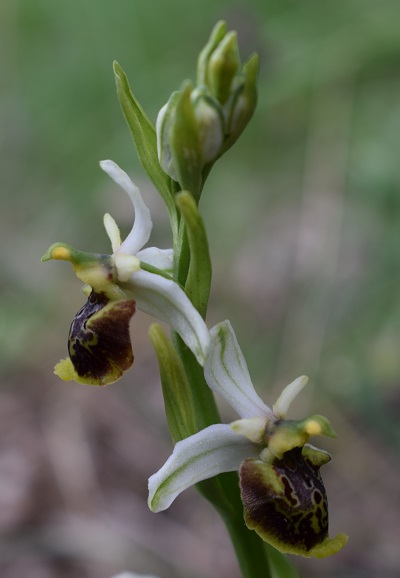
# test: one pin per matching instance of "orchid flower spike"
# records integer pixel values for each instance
(282, 491)
(99, 342)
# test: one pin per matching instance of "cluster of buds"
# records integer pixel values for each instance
(197, 125)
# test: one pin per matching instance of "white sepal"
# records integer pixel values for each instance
(142, 225)
(282, 404)
(164, 299)
(160, 258)
(213, 450)
(226, 373)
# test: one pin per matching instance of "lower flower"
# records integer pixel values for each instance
(282, 491)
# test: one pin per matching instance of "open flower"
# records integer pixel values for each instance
(282, 492)
(99, 343)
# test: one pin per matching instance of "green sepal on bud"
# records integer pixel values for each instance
(145, 139)
(217, 34)
(243, 102)
(222, 67)
(175, 386)
(210, 122)
(164, 123)
(184, 139)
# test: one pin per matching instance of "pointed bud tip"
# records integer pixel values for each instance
(219, 29)
(250, 67)
(117, 68)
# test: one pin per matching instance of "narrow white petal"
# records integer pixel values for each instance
(282, 404)
(160, 258)
(142, 225)
(226, 373)
(164, 299)
(213, 450)
(253, 428)
(112, 231)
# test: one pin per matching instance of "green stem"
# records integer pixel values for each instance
(222, 491)
(250, 550)
(203, 399)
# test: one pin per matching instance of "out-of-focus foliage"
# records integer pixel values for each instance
(303, 217)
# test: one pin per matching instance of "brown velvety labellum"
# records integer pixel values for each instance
(99, 341)
(285, 502)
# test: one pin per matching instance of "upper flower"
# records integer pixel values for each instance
(99, 342)
(282, 492)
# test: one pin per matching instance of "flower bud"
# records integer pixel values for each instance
(197, 126)
(178, 141)
(222, 67)
(210, 122)
(164, 122)
(217, 34)
(243, 101)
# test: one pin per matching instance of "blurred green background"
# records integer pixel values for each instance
(303, 216)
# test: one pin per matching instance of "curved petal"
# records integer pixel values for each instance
(282, 404)
(213, 450)
(112, 231)
(160, 258)
(226, 373)
(164, 299)
(142, 225)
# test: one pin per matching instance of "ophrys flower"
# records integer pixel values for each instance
(282, 492)
(99, 343)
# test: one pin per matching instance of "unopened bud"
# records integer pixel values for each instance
(243, 100)
(222, 67)
(217, 34)
(210, 122)
(164, 122)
